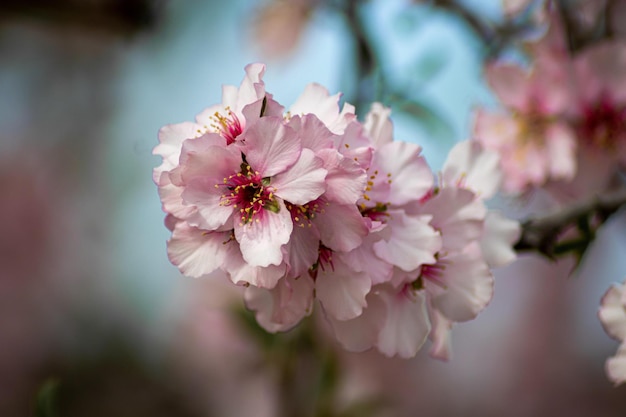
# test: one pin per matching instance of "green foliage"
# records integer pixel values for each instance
(45, 401)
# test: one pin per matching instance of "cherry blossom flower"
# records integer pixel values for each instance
(534, 144)
(612, 314)
(246, 187)
(314, 205)
(422, 254)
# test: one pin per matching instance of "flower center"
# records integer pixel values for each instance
(376, 213)
(228, 126)
(531, 128)
(379, 211)
(433, 273)
(603, 123)
(250, 193)
(302, 215)
(324, 260)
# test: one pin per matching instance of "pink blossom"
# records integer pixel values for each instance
(600, 113)
(476, 169)
(612, 314)
(395, 322)
(534, 146)
(248, 193)
(469, 165)
(317, 100)
(239, 106)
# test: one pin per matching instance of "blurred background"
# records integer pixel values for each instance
(94, 320)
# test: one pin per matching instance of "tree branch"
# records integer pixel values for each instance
(542, 234)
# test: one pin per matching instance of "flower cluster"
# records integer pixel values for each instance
(612, 314)
(310, 205)
(564, 126)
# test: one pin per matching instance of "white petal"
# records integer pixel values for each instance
(342, 228)
(196, 252)
(361, 333)
(440, 335)
(261, 241)
(499, 236)
(458, 215)
(468, 287)
(471, 166)
(612, 312)
(378, 124)
(616, 366)
(342, 291)
(282, 307)
(406, 325)
(410, 241)
(303, 182)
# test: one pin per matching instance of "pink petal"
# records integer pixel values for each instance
(440, 335)
(252, 87)
(410, 242)
(355, 145)
(341, 291)
(303, 181)
(270, 146)
(561, 144)
(363, 259)
(468, 287)
(612, 312)
(260, 241)
(499, 236)
(302, 249)
(312, 131)
(616, 366)
(345, 181)
(361, 333)
(171, 138)
(400, 165)
(203, 195)
(341, 227)
(316, 100)
(269, 106)
(471, 166)
(511, 83)
(241, 272)
(283, 307)
(172, 200)
(378, 125)
(406, 325)
(200, 158)
(458, 215)
(196, 252)
(495, 131)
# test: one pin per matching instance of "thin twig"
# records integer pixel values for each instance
(541, 234)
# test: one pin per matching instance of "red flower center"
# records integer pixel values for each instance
(603, 123)
(228, 126)
(250, 193)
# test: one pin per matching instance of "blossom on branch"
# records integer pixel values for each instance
(311, 206)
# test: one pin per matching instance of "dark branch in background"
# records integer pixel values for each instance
(366, 60)
(117, 17)
(543, 234)
(494, 37)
